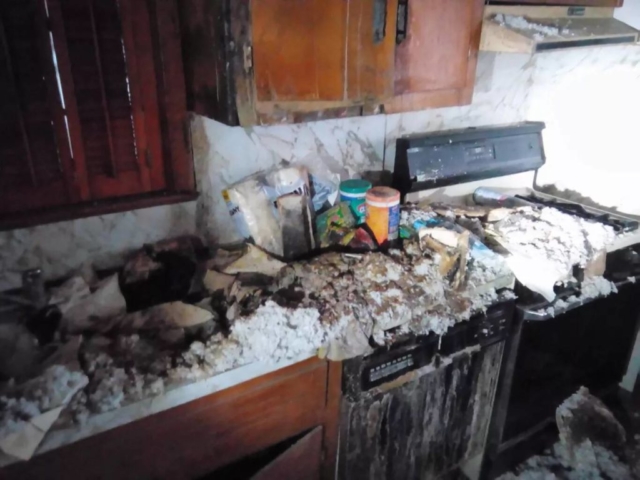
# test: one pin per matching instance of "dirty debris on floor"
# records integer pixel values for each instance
(592, 445)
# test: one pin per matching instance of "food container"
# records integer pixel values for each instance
(383, 213)
(354, 191)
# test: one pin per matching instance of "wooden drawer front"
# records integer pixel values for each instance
(196, 438)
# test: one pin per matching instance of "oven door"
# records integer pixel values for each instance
(547, 361)
(421, 409)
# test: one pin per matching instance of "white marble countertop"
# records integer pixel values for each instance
(173, 397)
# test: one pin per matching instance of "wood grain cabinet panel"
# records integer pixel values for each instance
(198, 438)
(92, 108)
(288, 61)
(299, 49)
(313, 59)
(435, 63)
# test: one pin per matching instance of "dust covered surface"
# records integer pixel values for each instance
(339, 305)
(590, 289)
(51, 389)
(341, 302)
(540, 31)
(551, 236)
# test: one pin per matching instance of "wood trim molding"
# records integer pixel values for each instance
(199, 437)
(92, 209)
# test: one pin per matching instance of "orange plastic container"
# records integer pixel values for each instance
(383, 213)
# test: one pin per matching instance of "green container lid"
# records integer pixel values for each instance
(355, 186)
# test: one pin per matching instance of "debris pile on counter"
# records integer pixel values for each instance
(545, 245)
(562, 239)
(243, 307)
(177, 313)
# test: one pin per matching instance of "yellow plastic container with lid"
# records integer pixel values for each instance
(383, 213)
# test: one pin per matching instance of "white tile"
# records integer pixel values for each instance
(60, 248)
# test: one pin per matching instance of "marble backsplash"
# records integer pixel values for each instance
(224, 155)
(60, 248)
(509, 88)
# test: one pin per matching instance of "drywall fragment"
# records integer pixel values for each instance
(214, 281)
(95, 312)
(584, 418)
(255, 260)
(443, 235)
(166, 316)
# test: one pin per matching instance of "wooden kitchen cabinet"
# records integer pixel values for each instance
(92, 109)
(228, 434)
(436, 58)
(284, 61)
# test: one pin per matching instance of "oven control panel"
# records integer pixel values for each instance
(384, 366)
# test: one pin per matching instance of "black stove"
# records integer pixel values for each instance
(619, 223)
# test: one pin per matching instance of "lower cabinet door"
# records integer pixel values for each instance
(301, 461)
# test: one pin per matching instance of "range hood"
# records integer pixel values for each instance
(520, 29)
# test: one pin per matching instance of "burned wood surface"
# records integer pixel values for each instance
(423, 428)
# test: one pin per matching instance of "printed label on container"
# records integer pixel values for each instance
(236, 215)
(378, 221)
(359, 210)
(394, 222)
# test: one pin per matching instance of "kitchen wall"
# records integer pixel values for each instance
(60, 248)
(589, 99)
(225, 155)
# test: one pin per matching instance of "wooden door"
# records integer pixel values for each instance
(301, 461)
(437, 52)
(310, 59)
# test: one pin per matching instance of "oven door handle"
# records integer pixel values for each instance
(541, 314)
(529, 314)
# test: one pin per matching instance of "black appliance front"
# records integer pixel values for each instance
(422, 407)
(435, 160)
(547, 361)
(589, 346)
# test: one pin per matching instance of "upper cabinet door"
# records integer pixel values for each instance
(36, 170)
(310, 59)
(437, 53)
(299, 49)
(252, 62)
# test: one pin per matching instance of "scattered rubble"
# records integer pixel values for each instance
(583, 417)
(590, 288)
(254, 308)
(562, 239)
(596, 464)
(591, 445)
(30, 409)
(521, 23)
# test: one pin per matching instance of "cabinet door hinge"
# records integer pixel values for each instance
(247, 51)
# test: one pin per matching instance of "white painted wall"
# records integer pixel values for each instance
(590, 101)
(630, 13)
